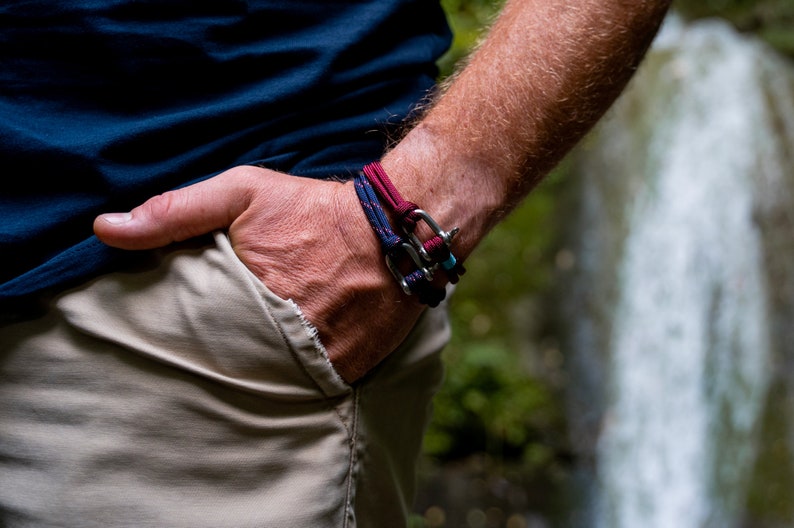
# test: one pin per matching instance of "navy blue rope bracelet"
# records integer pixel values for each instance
(394, 247)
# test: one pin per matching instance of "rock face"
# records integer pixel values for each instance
(678, 310)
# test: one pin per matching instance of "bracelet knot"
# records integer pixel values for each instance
(373, 184)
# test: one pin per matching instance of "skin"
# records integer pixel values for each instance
(547, 71)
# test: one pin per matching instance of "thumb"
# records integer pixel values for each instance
(179, 215)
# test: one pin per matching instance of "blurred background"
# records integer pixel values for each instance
(623, 351)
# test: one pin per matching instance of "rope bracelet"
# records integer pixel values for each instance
(426, 257)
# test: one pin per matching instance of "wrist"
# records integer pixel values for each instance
(457, 189)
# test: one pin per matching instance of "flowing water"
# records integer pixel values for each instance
(675, 305)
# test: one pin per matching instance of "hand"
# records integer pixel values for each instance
(307, 240)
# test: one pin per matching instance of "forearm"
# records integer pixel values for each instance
(547, 71)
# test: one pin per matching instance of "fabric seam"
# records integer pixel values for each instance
(349, 519)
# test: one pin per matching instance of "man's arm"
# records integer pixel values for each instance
(547, 71)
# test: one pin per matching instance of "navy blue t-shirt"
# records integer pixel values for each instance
(105, 103)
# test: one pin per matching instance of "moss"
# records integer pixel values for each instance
(770, 502)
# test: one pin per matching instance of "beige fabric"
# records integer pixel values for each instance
(188, 395)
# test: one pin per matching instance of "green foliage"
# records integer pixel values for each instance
(468, 20)
(496, 398)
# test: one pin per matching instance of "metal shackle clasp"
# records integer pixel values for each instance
(446, 236)
(417, 260)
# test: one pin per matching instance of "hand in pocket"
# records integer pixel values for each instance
(307, 240)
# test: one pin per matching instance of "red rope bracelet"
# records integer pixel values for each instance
(435, 252)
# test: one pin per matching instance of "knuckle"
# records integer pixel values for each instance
(160, 207)
(163, 215)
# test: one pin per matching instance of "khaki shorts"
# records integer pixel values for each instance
(189, 395)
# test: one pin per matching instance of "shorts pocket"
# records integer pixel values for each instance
(299, 335)
(200, 309)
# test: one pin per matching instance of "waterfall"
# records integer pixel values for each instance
(675, 309)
